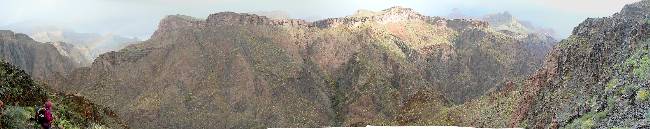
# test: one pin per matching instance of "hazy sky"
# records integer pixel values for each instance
(139, 18)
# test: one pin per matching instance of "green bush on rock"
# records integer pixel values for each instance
(642, 95)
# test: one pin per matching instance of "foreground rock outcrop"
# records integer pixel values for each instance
(596, 78)
(20, 95)
(235, 70)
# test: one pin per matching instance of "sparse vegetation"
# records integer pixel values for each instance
(587, 121)
(612, 84)
(640, 65)
(16, 117)
(647, 115)
(642, 95)
(23, 95)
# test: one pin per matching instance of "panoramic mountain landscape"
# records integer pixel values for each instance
(396, 66)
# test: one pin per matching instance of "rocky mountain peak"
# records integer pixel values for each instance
(236, 18)
(392, 14)
(401, 10)
(174, 22)
(638, 10)
(232, 18)
(634, 17)
(503, 17)
(399, 13)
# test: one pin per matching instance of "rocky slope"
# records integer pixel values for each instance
(40, 60)
(21, 94)
(236, 70)
(596, 78)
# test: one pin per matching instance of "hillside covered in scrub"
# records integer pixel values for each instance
(598, 77)
(21, 96)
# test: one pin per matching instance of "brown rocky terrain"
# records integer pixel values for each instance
(236, 70)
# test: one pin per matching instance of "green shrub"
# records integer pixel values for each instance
(640, 64)
(587, 121)
(642, 95)
(628, 89)
(643, 67)
(65, 124)
(17, 117)
(647, 115)
(587, 124)
(611, 84)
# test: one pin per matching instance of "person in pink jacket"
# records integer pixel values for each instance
(44, 115)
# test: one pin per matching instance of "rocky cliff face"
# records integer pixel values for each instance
(246, 71)
(68, 50)
(596, 78)
(40, 60)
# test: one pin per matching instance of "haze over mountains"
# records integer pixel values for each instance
(506, 21)
(390, 67)
(83, 48)
(40, 60)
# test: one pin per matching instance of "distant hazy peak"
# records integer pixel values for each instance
(400, 10)
(277, 14)
(173, 22)
(395, 12)
(503, 17)
(10, 35)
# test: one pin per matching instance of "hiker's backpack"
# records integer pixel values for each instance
(40, 116)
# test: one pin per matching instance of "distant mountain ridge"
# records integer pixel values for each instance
(82, 47)
(40, 60)
(89, 44)
(504, 21)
